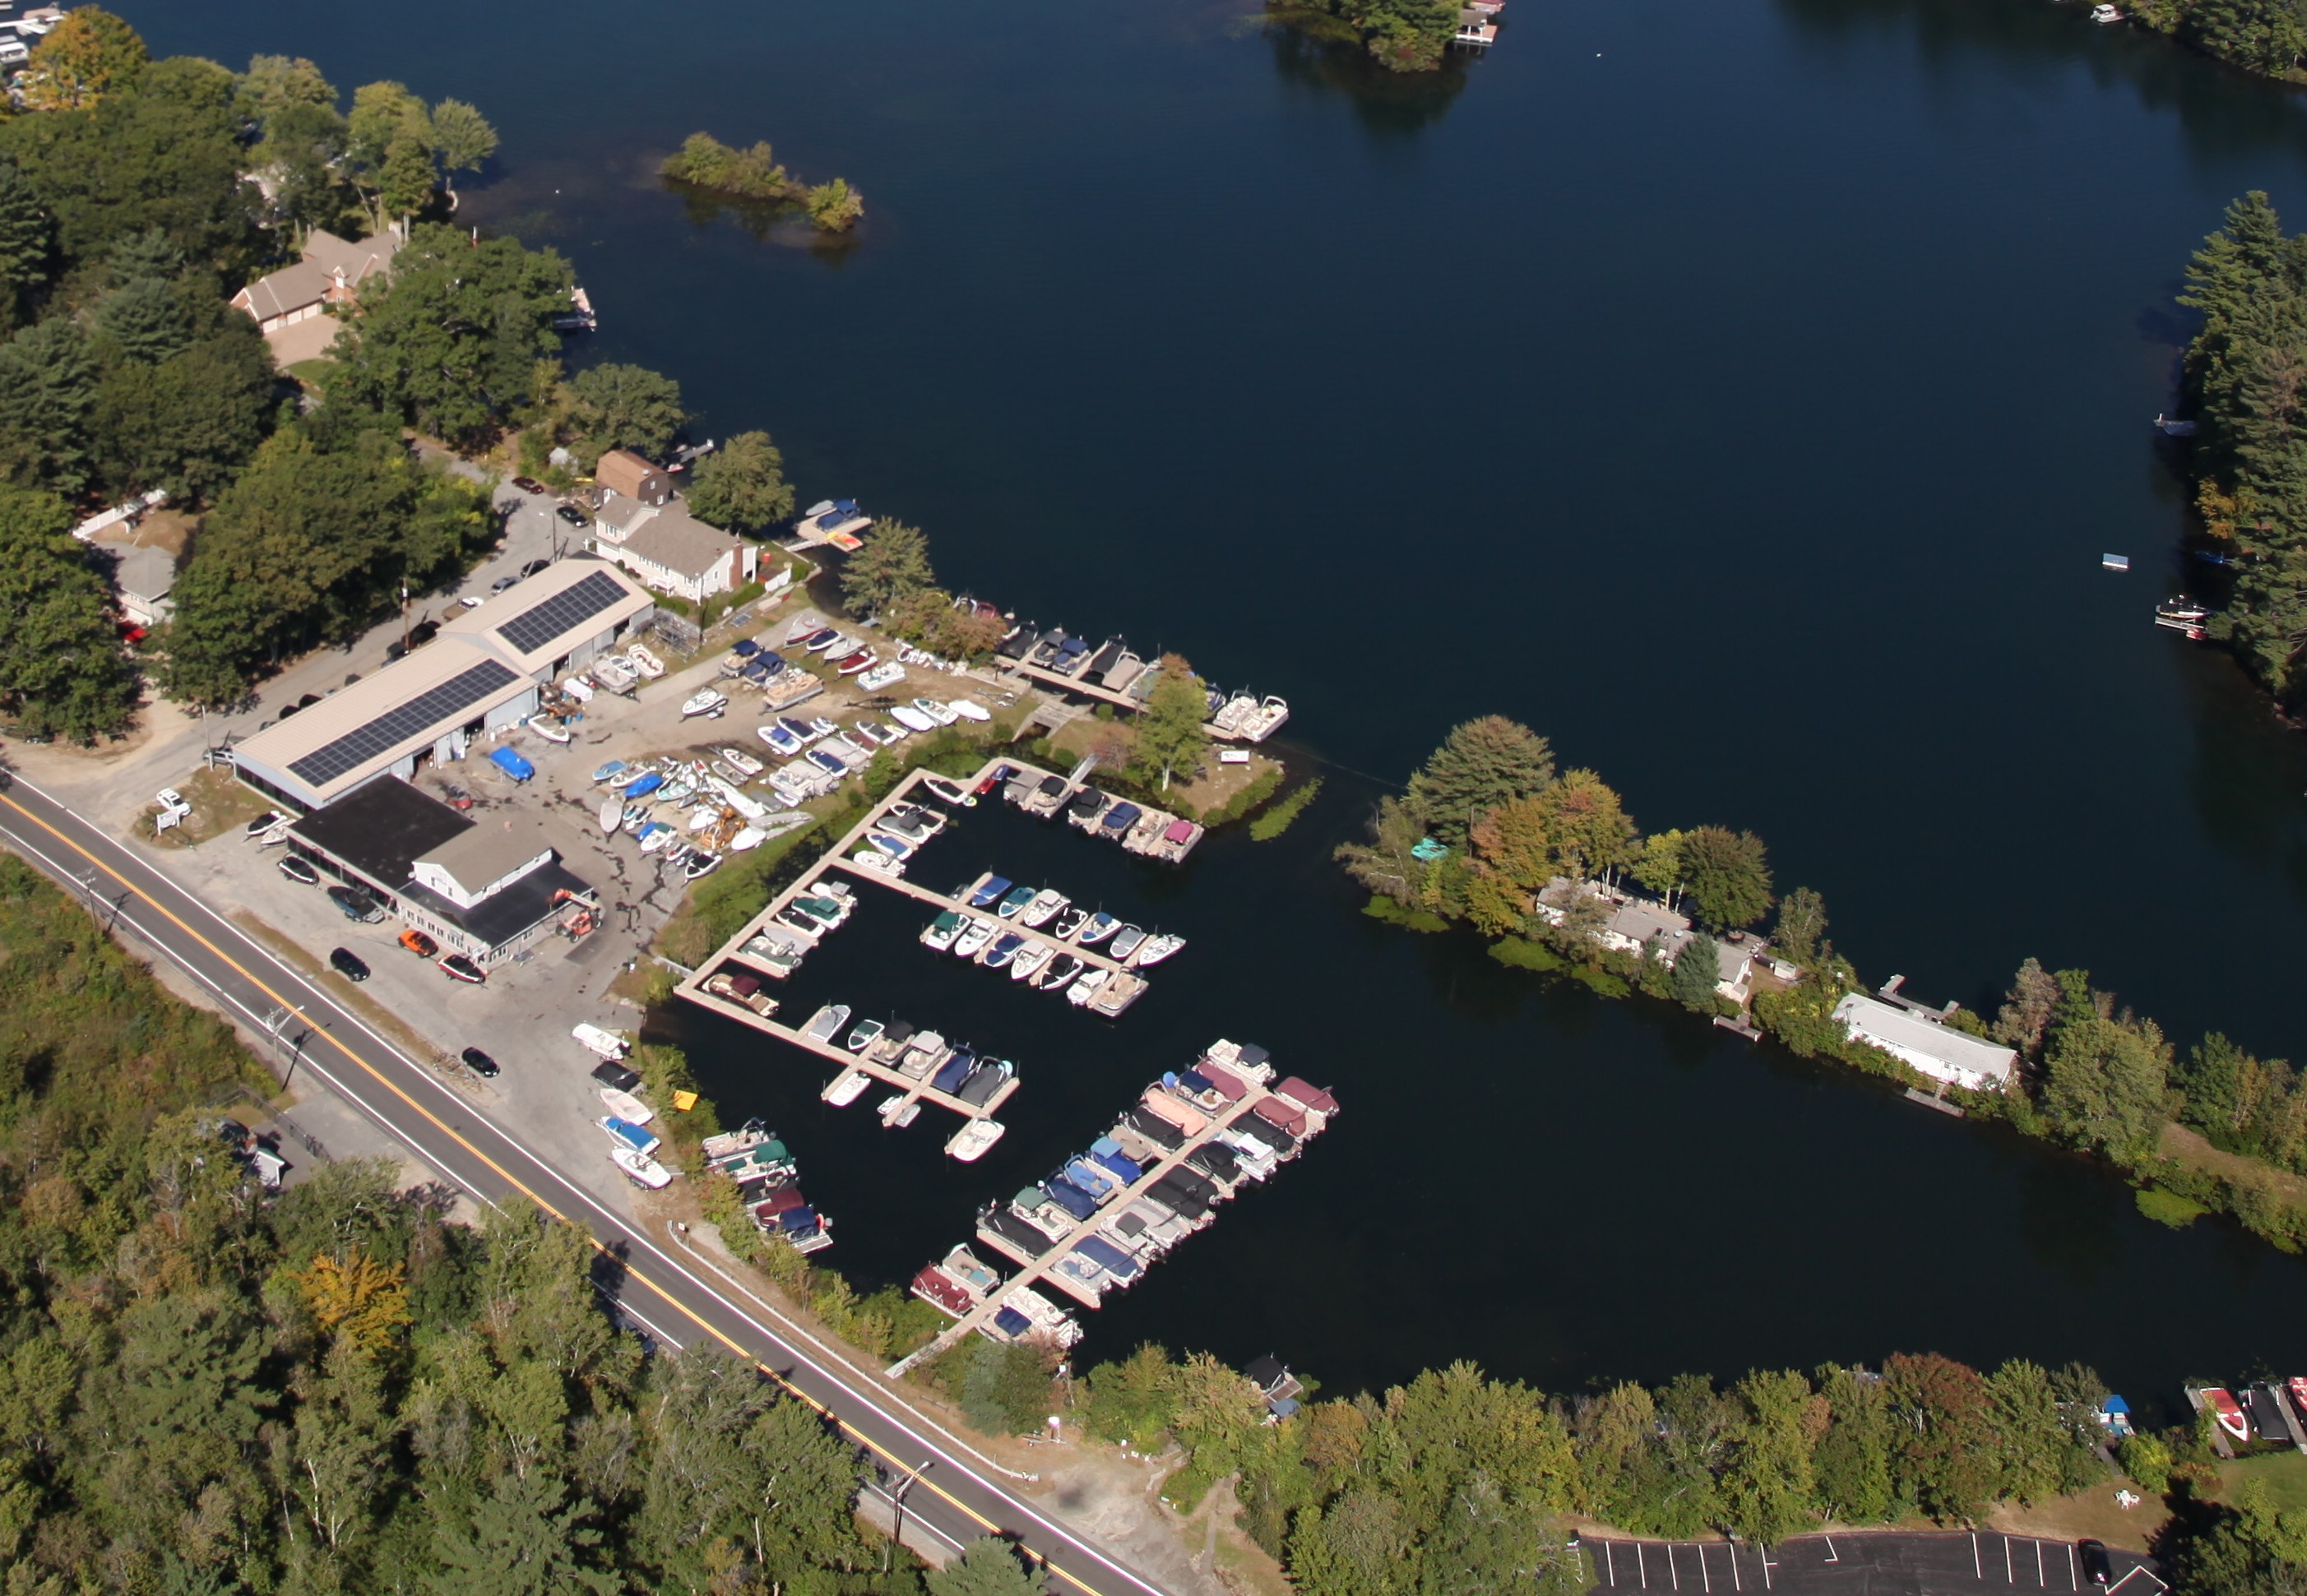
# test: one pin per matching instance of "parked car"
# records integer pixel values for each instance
(472, 601)
(173, 801)
(347, 964)
(356, 905)
(529, 484)
(2097, 1566)
(532, 567)
(571, 514)
(479, 1063)
(458, 967)
(502, 582)
(418, 944)
(296, 870)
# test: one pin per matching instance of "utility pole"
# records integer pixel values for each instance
(898, 1504)
(404, 615)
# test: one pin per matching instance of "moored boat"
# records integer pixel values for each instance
(1155, 949)
(1029, 961)
(974, 937)
(1086, 986)
(1100, 926)
(1045, 906)
(2224, 1409)
(1014, 902)
(1053, 976)
(939, 932)
(947, 792)
(827, 1022)
(863, 1035)
(846, 1088)
(899, 1109)
(971, 1142)
(1125, 942)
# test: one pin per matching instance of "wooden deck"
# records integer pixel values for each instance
(1031, 932)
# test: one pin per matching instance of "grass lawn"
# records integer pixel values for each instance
(2282, 1474)
(313, 372)
(218, 803)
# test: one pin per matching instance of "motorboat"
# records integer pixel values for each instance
(885, 675)
(803, 732)
(646, 662)
(969, 709)
(806, 625)
(612, 673)
(863, 1035)
(1015, 903)
(735, 797)
(747, 839)
(974, 938)
(1124, 943)
(607, 1044)
(876, 735)
(817, 642)
(699, 865)
(604, 774)
(1086, 986)
(947, 791)
(1045, 906)
(626, 1106)
(1029, 961)
(1069, 922)
(987, 891)
(1004, 949)
(1265, 719)
(549, 728)
(939, 932)
(654, 835)
(898, 1110)
(846, 1088)
(927, 820)
(911, 719)
(896, 847)
(856, 664)
(2226, 1409)
(1101, 926)
(640, 1168)
(742, 763)
(825, 762)
(937, 713)
(782, 743)
(705, 701)
(974, 1140)
(1155, 949)
(642, 785)
(626, 1134)
(820, 728)
(613, 815)
(879, 863)
(827, 1022)
(579, 688)
(1053, 976)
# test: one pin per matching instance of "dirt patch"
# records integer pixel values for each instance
(219, 805)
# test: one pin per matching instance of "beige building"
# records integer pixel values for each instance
(290, 307)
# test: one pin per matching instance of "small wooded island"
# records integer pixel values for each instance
(705, 162)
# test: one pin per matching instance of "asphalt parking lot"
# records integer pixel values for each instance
(1956, 1564)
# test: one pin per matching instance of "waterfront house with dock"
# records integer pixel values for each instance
(1938, 1050)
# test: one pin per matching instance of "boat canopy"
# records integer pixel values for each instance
(779, 1202)
(1155, 1129)
(797, 1222)
(1108, 1256)
(1114, 1159)
(1121, 817)
(1222, 1080)
(1312, 1097)
(1090, 1178)
(1216, 1160)
(1281, 1113)
(643, 785)
(983, 1083)
(952, 1073)
(512, 763)
(1069, 1196)
(1012, 1323)
(1178, 831)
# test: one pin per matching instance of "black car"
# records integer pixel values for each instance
(2097, 1566)
(529, 484)
(298, 871)
(480, 1063)
(532, 567)
(571, 514)
(612, 1074)
(347, 964)
(356, 905)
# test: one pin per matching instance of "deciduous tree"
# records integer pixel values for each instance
(87, 56)
(1800, 934)
(986, 1567)
(891, 567)
(462, 137)
(62, 670)
(2026, 1008)
(1729, 875)
(741, 485)
(1590, 828)
(1169, 735)
(625, 406)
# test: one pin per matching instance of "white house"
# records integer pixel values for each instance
(1939, 1051)
(672, 551)
(475, 866)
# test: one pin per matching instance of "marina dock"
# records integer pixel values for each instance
(1090, 956)
(914, 1090)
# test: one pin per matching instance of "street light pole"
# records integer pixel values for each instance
(898, 1505)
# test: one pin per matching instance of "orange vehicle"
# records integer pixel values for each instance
(418, 944)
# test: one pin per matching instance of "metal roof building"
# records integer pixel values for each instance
(481, 675)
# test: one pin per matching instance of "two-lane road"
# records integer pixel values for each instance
(959, 1496)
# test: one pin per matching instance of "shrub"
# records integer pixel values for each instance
(2167, 1208)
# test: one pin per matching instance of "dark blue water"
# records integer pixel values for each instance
(1743, 394)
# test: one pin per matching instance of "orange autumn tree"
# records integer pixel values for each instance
(360, 1301)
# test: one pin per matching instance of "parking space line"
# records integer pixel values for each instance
(1976, 1567)
(2008, 1577)
(2038, 1565)
(1736, 1583)
(1639, 1567)
(1705, 1583)
(2074, 1579)
(1766, 1569)
(1672, 1573)
(1833, 1555)
(1611, 1562)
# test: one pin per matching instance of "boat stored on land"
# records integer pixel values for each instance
(642, 1169)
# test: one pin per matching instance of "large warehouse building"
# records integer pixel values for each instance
(483, 672)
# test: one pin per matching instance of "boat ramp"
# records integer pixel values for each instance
(1192, 1141)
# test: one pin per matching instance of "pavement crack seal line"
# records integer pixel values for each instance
(456, 1135)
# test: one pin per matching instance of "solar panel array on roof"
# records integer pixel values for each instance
(467, 687)
(540, 624)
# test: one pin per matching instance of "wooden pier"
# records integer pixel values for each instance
(1069, 684)
(921, 1090)
(1042, 1269)
(1031, 932)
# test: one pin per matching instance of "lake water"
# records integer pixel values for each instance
(1742, 394)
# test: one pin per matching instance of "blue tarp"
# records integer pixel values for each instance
(635, 1136)
(1091, 1179)
(1069, 1196)
(954, 1071)
(1104, 1145)
(512, 763)
(1122, 1165)
(990, 893)
(642, 786)
(1010, 1322)
(799, 1221)
(1194, 1080)
(744, 648)
(1108, 1256)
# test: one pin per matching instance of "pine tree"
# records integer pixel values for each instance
(1169, 735)
(62, 670)
(1479, 765)
(1697, 967)
(891, 567)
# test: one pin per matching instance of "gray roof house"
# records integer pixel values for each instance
(1938, 1051)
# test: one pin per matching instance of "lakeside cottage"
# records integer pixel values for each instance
(642, 526)
(1639, 926)
(1940, 1052)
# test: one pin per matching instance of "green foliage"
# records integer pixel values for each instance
(26, 241)
(1480, 765)
(835, 207)
(2105, 1079)
(273, 84)
(892, 564)
(986, 1567)
(90, 55)
(706, 162)
(741, 485)
(1007, 1390)
(1401, 35)
(48, 386)
(461, 136)
(1697, 967)
(2168, 1207)
(1519, 952)
(2147, 1460)
(1169, 735)
(1729, 875)
(62, 670)
(624, 407)
(1800, 934)
(451, 345)
(2024, 1018)
(1278, 819)
(1395, 913)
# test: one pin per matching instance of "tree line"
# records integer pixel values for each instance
(1489, 834)
(2269, 37)
(205, 1387)
(2243, 382)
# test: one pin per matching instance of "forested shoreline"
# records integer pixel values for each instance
(1490, 837)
